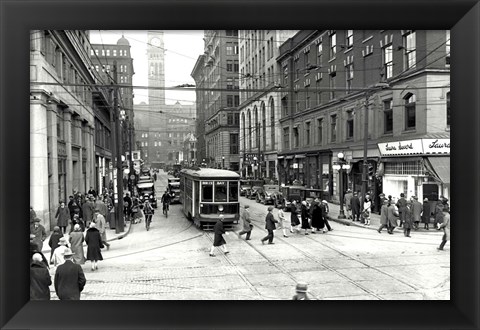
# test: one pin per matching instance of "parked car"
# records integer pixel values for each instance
(287, 194)
(253, 192)
(267, 194)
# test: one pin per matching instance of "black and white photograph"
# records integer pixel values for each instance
(240, 165)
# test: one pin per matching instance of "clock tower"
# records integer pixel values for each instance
(156, 69)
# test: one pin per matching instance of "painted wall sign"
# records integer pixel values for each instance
(415, 147)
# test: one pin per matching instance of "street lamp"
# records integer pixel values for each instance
(223, 162)
(341, 165)
(255, 167)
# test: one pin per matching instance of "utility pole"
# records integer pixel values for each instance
(119, 228)
(365, 151)
(132, 171)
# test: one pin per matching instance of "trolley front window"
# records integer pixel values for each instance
(207, 191)
(220, 191)
(233, 190)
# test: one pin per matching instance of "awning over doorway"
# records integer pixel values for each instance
(440, 166)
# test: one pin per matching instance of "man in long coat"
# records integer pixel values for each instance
(69, 279)
(417, 209)
(446, 227)
(88, 209)
(269, 226)
(218, 239)
(247, 223)
(348, 203)
(392, 215)
(101, 223)
(40, 234)
(383, 216)
(402, 206)
(355, 206)
(426, 213)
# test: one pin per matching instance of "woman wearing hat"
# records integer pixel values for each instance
(94, 243)
(53, 241)
(58, 254)
(218, 239)
(301, 291)
(305, 218)
(426, 213)
(269, 226)
(76, 241)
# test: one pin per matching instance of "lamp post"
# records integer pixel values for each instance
(255, 167)
(341, 165)
(223, 162)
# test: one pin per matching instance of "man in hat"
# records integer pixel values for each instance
(218, 239)
(88, 209)
(446, 227)
(247, 223)
(355, 205)
(39, 231)
(269, 226)
(33, 215)
(69, 279)
(34, 249)
(301, 291)
(92, 192)
(40, 279)
(348, 203)
(58, 254)
(417, 209)
(101, 223)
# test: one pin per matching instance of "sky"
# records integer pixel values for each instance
(182, 49)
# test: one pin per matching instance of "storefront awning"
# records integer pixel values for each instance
(440, 166)
(289, 157)
(300, 156)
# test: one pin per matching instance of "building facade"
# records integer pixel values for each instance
(220, 99)
(64, 101)
(198, 74)
(260, 101)
(399, 78)
(105, 58)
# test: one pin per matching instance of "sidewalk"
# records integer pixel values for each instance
(374, 220)
(111, 236)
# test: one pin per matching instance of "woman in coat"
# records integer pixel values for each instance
(392, 216)
(76, 241)
(305, 218)
(317, 218)
(218, 239)
(294, 221)
(40, 279)
(53, 241)
(94, 243)
(426, 213)
(408, 222)
(63, 215)
(383, 216)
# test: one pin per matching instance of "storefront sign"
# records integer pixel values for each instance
(415, 147)
(436, 146)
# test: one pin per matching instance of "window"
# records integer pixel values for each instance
(229, 66)
(229, 83)
(409, 44)
(333, 45)
(319, 54)
(285, 106)
(350, 127)
(233, 191)
(296, 69)
(349, 38)
(220, 191)
(388, 116)
(448, 109)
(333, 128)
(235, 66)
(229, 100)
(388, 61)
(271, 48)
(320, 131)
(332, 82)
(114, 52)
(108, 52)
(297, 102)
(306, 59)
(234, 144)
(318, 94)
(447, 48)
(349, 76)
(96, 52)
(236, 100)
(103, 52)
(230, 119)
(307, 133)
(285, 75)
(296, 139)
(410, 111)
(207, 190)
(272, 124)
(286, 138)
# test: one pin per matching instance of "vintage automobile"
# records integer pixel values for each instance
(267, 193)
(174, 187)
(146, 190)
(310, 194)
(252, 193)
(287, 194)
(244, 186)
(247, 184)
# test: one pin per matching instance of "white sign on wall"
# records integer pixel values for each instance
(436, 146)
(415, 147)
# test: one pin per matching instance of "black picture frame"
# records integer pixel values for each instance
(18, 17)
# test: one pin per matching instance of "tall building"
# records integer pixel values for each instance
(65, 104)
(156, 69)
(399, 79)
(201, 94)
(260, 101)
(219, 76)
(104, 58)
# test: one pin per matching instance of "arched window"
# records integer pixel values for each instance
(264, 126)
(249, 130)
(257, 127)
(244, 137)
(272, 124)
(410, 112)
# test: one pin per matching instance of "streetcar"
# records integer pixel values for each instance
(206, 193)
